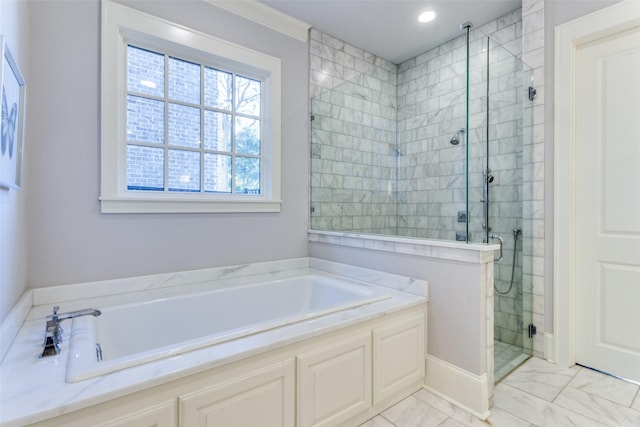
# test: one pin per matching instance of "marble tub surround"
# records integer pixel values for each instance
(14, 320)
(33, 389)
(405, 284)
(127, 288)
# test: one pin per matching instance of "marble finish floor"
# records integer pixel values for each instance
(538, 393)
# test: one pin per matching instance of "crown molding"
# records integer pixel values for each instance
(264, 15)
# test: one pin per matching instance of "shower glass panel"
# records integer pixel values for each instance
(353, 158)
(434, 147)
(500, 123)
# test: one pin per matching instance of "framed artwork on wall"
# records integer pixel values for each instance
(13, 102)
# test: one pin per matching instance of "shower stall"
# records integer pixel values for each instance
(437, 147)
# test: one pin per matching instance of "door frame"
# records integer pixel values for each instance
(568, 38)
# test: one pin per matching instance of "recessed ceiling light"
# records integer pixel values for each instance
(427, 16)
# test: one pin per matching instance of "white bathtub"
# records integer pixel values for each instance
(132, 334)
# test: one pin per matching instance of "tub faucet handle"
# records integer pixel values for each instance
(53, 324)
(53, 332)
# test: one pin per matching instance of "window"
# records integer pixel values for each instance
(198, 130)
(190, 123)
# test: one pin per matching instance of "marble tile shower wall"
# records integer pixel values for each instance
(353, 138)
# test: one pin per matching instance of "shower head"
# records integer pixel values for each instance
(455, 139)
(466, 25)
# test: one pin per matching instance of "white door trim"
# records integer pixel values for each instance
(568, 38)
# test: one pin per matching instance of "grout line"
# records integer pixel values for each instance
(637, 396)
(591, 395)
(509, 410)
(565, 386)
(387, 419)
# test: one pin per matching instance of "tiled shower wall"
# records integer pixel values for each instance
(429, 92)
(353, 138)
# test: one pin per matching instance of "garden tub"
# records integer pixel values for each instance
(133, 334)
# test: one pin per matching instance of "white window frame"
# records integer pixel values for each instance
(121, 26)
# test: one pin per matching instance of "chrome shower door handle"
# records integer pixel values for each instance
(499, 239)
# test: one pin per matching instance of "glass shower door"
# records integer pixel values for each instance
(501, 127)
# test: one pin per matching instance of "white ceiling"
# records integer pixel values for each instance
(390, 28)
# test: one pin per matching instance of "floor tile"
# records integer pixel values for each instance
(378, 421)
(415, 413)
(498, 418)
(541, 378)
(537, 411)
(501, 418)
(448, 409)
(537, 394)
(605, 386)
(603, 410)
(450, 422)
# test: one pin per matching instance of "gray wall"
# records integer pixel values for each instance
(69, 239)
(13, 229)
(556, 12)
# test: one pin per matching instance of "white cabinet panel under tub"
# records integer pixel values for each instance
(260, 398)
(148, 410)
(341, 378)
(334, 382)
(162, 415)
(398, 356)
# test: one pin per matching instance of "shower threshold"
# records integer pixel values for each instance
(507, 358)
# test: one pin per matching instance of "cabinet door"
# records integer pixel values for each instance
(334, 382)
(398, 356)
(162, 415)
(263, 397)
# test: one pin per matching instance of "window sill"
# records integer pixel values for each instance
(186, 205)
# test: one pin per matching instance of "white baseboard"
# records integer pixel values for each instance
(549, 348)
(462, 388)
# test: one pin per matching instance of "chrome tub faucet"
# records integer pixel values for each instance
(53, 333)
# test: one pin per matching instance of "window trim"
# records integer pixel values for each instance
(122, 25)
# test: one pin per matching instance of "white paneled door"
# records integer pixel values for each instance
(607, 203)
